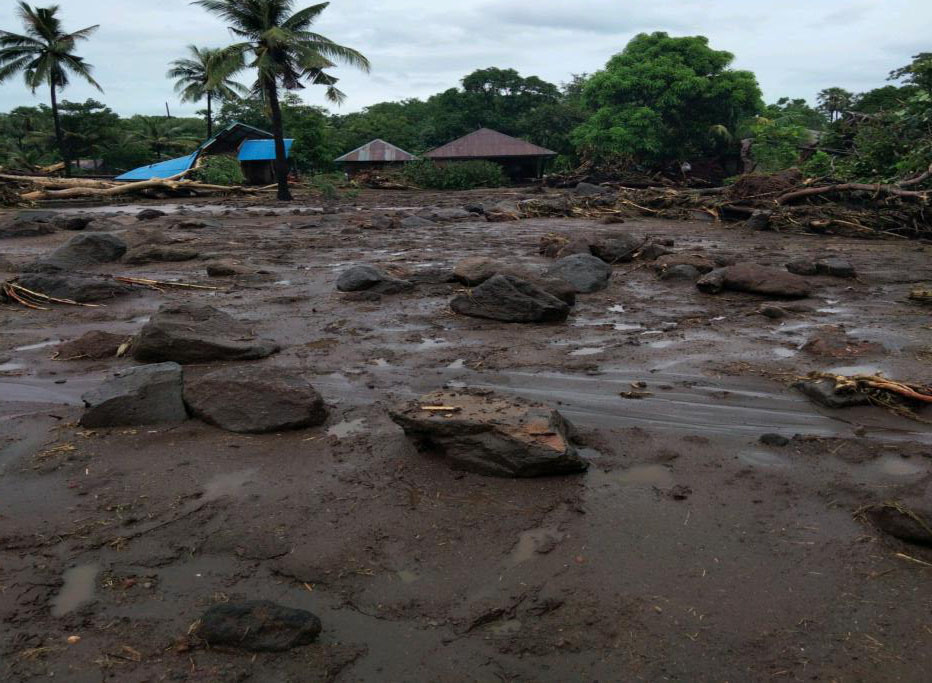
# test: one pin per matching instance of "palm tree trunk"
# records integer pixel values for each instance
(59, 135)
(210, 122)
(281, 161)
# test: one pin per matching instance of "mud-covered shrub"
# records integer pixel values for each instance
(219, 170)
(458, 175)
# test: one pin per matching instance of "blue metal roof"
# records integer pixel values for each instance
(163, 169)
(261, 150)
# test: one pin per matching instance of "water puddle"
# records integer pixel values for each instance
(616, 309)
(764, 459)
(407, 576)
(661, 344)
(897, 466)
(856, 370)
(628, 327)
(459, 364)
(11, 367)
(227, 484)
(40, 345)
(780, 352)
(534, 542)
(427, 344)
(347, 428)
(646, 475)
(78, 589)
(588, 351)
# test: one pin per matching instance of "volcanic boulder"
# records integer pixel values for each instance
(257, 626)
(149, 394)
(192, 333)
(585, 272)
(255, 400)
(490, 434)
(81, 288)
(158, 253)
(511, 299)
(755, 279)
(82, 251)
(370, 279)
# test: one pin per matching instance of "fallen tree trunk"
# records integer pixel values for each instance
(58, 183)
(878, 188)
(131, 188)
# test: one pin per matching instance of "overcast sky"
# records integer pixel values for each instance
(417, 48)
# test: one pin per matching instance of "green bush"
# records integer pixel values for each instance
(219, 170)
(458, 175)
(819, 165)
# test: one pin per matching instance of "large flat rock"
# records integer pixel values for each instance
(491, 434)
(193, 333)
(144, 395)
(257, 626)
(510, 299)
(255, 400)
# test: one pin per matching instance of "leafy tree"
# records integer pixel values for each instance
(777, 144)
(406, 124)
(45, 56)
(917, 73)
(208, 74)
(90, 128)
(285, 54)
(834, 102)
(659, 99)
(887, 98)
(797, 112)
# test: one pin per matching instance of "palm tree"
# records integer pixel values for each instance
(158, 134)
(45, 56)
(834, 102)
(285, 53)
(208, 73)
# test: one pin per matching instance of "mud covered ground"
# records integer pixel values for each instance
(689, 551)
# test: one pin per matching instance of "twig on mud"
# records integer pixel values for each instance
(910, 558)
(159, 284)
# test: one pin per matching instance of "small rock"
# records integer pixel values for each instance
(824, 391)
(831, 341)
(653, 251)
(81, 288)
(227, 269)
(257, 626)
(586, 273)
(776, 440)
(414, 222)
(28, 224)
(379, 222)
(369, 278)
(144, 395)
(755, 279)
(157, 253)
(82, 251)
(475, 270)
(93, 345)
(589, 190)
(835, 267)
(255, 400)
(681, 272)
(197, 224)
(618, 247)
(191, 333)
(911, 526)
(802, 267)
(510, 299)
(491, 434)
(445, 215)
(759, 220)
(149, 214)
(700, 262)
(73, 223)
(475, 208)
(772, 312)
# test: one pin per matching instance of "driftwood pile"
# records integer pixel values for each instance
(783, 201)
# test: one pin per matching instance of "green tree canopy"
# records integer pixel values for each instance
(834, 102)
(660, 99)
(207, 73)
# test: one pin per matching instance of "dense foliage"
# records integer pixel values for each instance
(458, 175)
(661, 101)
(219, 170)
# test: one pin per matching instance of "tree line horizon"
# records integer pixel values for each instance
(660, 101)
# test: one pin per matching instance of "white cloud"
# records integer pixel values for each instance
(795, 47)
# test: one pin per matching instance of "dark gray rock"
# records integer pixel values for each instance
(475, 270)
(369, 278)
(652, 252)
(82, 251)
(755, 279)
(491, 434)
(413, 222)
(826, 393)
(776, 440)
(701, 262)
(257, 626)
(446, 215)
(681, 272)
(227, 268)
(759, 220)
(191, 333)
(585, 272)
(589, 190)
(149, 394)
(803, 267)
(198, 224)
(149, 214)
(153, 253)
(28, 224)
(835, 267)
(554, 286)
(616, 248)
(84, 289)
(510, 299)
(773, 312)
(93, 345)
(475, 208)
(72, 223)
(255, 400)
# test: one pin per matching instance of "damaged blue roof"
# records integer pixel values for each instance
(163, 169)
(261, 150)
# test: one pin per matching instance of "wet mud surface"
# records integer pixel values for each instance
(688, 551)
